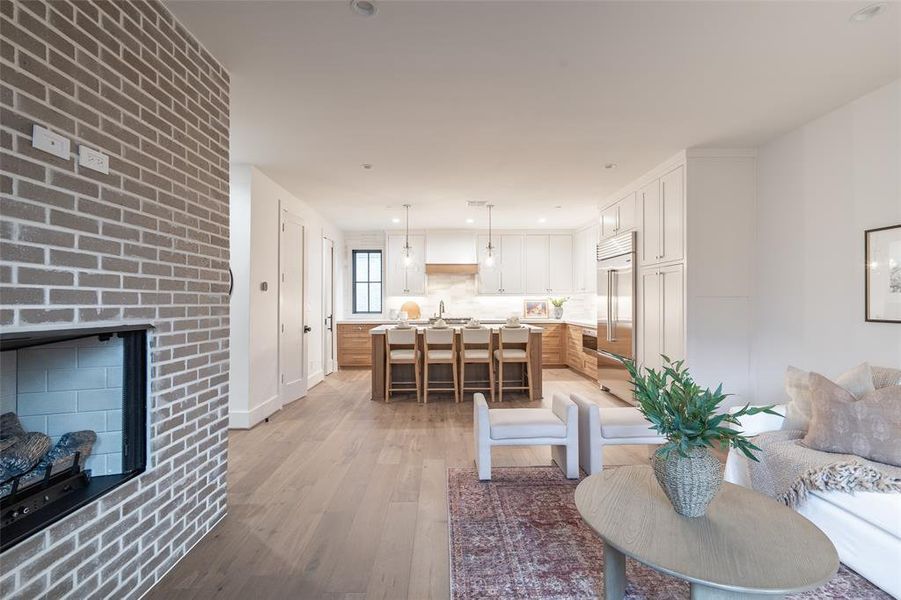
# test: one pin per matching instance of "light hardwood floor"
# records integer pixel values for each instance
(341, 497)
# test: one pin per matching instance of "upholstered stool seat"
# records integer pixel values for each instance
(435, 355)
(557, 427)
(477, 354)
(511, 354)
(518, 423)
(403, 354)
(599, 427)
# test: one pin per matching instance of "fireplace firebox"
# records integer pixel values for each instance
(73, 421)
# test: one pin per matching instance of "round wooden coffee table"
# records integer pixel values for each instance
(747, 546)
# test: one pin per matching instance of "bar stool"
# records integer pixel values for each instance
(475, 348)
(440, 349)
(400, 349)
(513, 347)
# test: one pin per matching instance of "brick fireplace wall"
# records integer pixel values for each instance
(147, 242)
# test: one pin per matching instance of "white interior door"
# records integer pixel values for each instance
(328, 306)
(291, 355)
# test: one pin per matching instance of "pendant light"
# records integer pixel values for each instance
(489, 250)
(408, 249)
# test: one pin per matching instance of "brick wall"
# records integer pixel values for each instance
(149, 241)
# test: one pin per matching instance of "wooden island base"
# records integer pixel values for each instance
(476, 374)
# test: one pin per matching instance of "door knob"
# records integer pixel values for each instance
(307, 329)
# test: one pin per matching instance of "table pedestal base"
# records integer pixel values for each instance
(615, 582)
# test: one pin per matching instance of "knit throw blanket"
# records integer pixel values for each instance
(787, 470)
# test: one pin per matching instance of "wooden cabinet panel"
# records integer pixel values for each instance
(553, 345)
(355, 344)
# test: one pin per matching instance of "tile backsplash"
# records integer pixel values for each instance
(461, 299)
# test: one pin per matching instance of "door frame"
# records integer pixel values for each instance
(329, 361)
(286, 216)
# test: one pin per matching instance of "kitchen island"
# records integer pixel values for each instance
(476, 374)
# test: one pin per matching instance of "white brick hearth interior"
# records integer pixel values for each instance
(70, 386)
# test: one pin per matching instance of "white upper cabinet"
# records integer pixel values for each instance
(402, 279)
(489, 278)
(649, 197)
(619, 217)
(672, 202)
(560, 263)
(535, 248)
(511, 247)
(451, 248)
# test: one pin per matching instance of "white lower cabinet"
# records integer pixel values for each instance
(662, 314)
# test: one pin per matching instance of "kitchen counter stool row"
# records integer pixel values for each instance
(443, 347)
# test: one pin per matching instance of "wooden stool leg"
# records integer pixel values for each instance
(500, 381)
(425, 383)
(491, 378)
(529, 375)
(387, 381)
(455, 375)
(462, 378)
(416, 376)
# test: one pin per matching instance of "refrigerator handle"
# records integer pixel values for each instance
(612, 295)
(609, 302)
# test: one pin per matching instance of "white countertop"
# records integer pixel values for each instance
(378, 321)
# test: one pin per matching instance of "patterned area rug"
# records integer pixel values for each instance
(520, 536)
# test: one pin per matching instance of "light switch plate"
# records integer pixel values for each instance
(93, 159)
(44, 139)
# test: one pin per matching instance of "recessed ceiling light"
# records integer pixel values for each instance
(366, 166)
(558, 206)
(395, 219)
(868, 12)
(470, 221)
(542, 220)
(609, 166)
(365, 8)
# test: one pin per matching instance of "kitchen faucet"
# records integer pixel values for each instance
(441, 309)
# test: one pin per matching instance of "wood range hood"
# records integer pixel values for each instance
(452, 268)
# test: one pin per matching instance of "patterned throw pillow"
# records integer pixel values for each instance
(858, 381)
(869, 426)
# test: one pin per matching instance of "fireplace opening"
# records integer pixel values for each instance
(73, 421)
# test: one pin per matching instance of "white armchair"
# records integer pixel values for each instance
(557, 427)
(599, 427)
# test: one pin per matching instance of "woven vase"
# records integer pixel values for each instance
(690, 482)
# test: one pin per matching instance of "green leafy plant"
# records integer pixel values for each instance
(559, 302)
(685, 414)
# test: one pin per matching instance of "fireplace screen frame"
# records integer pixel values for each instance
(56, 500)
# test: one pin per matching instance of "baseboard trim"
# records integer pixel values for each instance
(315, 379)
(246, 419)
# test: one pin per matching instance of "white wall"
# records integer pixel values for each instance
(819, 187)
(254, 378)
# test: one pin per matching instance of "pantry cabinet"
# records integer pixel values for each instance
(663, 215)
(402, 279)
(662, 314)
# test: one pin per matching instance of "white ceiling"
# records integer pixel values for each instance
(520, 103)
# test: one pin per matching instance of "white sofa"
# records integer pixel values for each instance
(557, 427)
(865, 526)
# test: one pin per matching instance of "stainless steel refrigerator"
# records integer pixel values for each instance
(616, 313)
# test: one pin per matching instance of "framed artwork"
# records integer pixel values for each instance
(534, 309)
(883, 274)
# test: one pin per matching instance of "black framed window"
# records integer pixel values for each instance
(367, 281)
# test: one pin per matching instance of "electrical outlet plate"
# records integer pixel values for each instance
(93, 159)
(44, 139)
